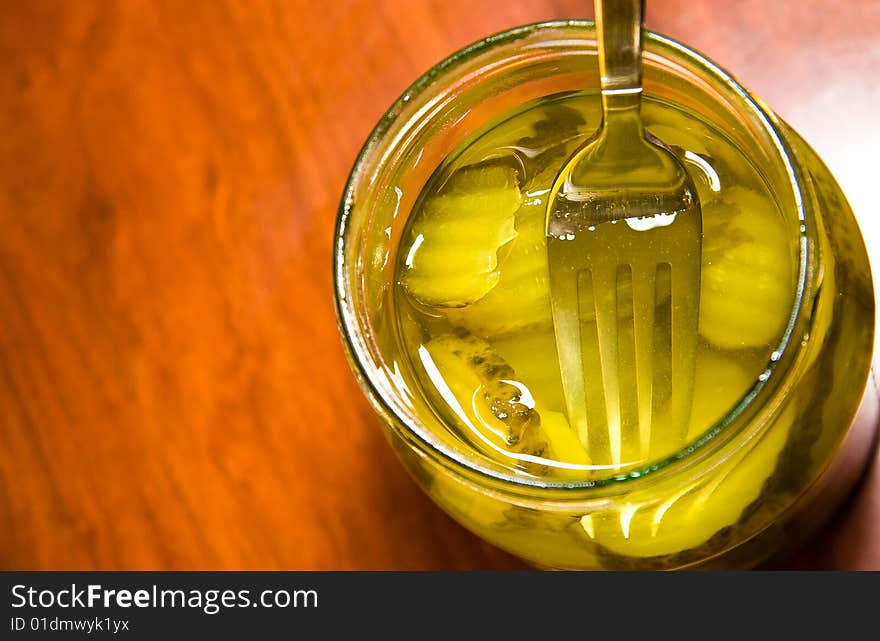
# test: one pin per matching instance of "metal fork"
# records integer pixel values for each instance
(624, 237)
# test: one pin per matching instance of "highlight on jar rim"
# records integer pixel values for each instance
(619, 384)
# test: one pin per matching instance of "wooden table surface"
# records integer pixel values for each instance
(173, 394)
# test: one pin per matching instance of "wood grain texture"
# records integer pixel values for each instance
(173, 393)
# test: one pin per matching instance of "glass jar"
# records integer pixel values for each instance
(755, 485)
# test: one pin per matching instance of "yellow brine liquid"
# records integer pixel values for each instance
(474, 317)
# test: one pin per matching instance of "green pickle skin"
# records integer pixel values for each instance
(472, 295)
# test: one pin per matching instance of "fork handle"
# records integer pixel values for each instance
(619, 34)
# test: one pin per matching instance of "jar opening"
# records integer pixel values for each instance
(406, 124)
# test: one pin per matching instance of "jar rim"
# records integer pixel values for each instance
(346, 314)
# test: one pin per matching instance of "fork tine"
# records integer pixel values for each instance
(685, 325)
(661, 355)
(643, 279)
(631, 449)
(566, 321)
(605, 298)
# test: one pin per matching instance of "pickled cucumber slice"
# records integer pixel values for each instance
(533, 137)
(696, 513)
(451, 257)
(492, 408)
(555, 137)
(748, 277)
(689, 138)
(504, 417)
(565, 447)
(707, 153)
(521, 298)
(720, 383)
(532, 354)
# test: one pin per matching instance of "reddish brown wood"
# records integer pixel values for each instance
(172, 389)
